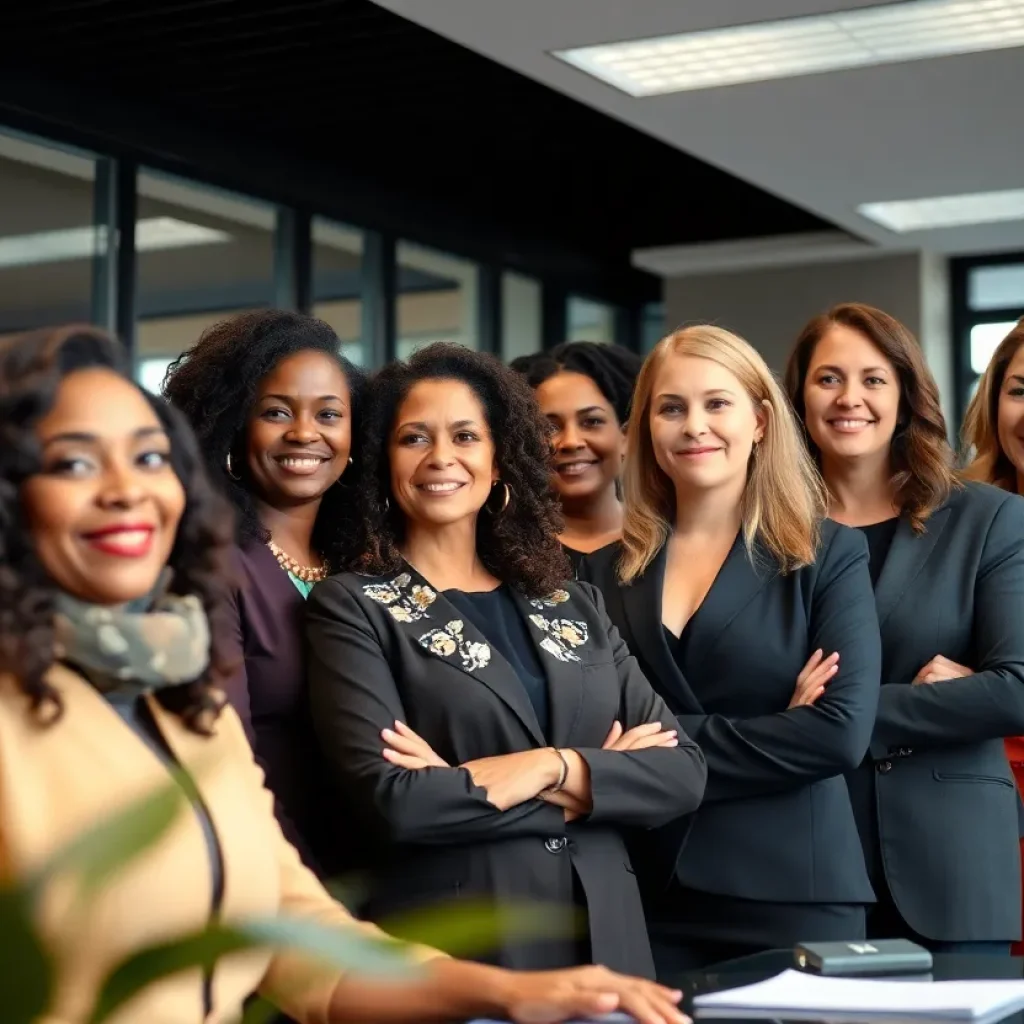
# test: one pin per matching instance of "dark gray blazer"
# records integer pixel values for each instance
(776, 823)
(389, 648)
(945, 802)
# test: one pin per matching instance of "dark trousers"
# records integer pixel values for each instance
(691, 930)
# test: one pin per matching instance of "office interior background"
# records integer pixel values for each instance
(415, 170)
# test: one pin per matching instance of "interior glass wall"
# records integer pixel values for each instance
(49, 241)
(338, 284)
(202, 255)
(437, 299)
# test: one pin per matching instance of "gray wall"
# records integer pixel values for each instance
(769, 307)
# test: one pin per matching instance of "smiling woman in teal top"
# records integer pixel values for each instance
(275, 407)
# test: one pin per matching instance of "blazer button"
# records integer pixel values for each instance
(555, 845)
(883, 766)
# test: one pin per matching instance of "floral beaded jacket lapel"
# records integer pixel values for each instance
(435, 626)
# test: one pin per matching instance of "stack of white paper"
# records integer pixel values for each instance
(794, 995)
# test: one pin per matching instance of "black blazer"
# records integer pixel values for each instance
(382, 649)
(944, 795)
(776, 823)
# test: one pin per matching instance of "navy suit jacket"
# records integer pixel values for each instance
(776, 823)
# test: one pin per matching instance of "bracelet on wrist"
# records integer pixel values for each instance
(564, 772)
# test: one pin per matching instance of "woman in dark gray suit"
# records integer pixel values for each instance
(484, 713)
(935, 799)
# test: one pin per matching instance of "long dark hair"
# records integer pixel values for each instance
(215, 383)
(32, 368)
(518, 544)
(921, 457)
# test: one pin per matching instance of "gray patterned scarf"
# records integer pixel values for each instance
(161, 640)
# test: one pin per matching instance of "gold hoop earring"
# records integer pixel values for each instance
(227, 465)
(504, 504)
(387, 505)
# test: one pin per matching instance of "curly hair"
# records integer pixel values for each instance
(921, 456)
(518, 545)
(32, 368)
(612, 368)
(215, 384)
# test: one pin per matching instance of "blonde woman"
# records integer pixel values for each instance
(994, 435)
(754, 618)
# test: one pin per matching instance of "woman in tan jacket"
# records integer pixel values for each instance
(112, 551)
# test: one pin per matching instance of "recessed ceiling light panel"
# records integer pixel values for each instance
(887, 34)
(905, 215)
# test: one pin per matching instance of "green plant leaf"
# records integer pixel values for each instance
(471, 928)
(258, 1011)
(26, 972)
(348, 949)
(103, 849)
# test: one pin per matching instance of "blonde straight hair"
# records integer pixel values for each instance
(980, 432)
(784, 501)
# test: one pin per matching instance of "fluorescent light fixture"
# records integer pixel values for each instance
(151, 235)
(887, 34)
(903, 215)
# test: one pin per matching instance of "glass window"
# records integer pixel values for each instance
(590, 321)
(985, 339)
(337, 284)
(202, 255)
(652, 325)
(521, 316)
(437, 299)
(48, 241)
(996, 287)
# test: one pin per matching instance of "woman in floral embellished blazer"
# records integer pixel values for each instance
(492, 726)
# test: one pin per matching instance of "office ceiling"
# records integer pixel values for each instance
(350, 85)
(827, 142)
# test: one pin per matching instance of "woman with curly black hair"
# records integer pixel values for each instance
(274, 406)
(519, 737)
(585, 389)
(113, 547)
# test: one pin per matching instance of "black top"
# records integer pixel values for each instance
(495, 614)
(879, 537)
(575, 559)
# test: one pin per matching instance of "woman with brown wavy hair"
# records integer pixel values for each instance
(113, 553)
(993, 435)
(481, 710)
(935, 802)
(754, 619)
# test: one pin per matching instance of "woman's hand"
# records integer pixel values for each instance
(640, 737)
(939, 669)
(408, 750)
(512, 779)
(552, 996)
(813, 678)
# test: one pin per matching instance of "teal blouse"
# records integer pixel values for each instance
(301, 585)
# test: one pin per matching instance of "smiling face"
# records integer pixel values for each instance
(851, 396)
(588, 440)
(1010, 413)
(703, 424)
(300, 430)
(441, 454)
(104, 510)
